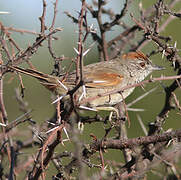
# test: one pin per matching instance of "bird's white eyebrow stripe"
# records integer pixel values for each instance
(99, 81)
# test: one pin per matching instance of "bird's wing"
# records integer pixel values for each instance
(98, 78)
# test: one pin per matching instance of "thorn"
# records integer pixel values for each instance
(76, 51)
(52, 129)
(169, 143)
(175, 44)
(88, 49)
(4, 12)
(105, 167)
(53, 124)
(83, 93)
(142, 125)
(66, 133)
(163, 53)
(87, 108)
(81, 126)
(58, 99)
(141, 97)
(86, 52)
(173, 62)
(84, 90)
(135, 109)
(141, 5)
(62, 85)
(1, 124)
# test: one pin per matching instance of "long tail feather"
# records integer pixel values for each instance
(50, 82)
(31, 72)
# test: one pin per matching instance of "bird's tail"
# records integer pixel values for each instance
(50, 82)
(31, 72)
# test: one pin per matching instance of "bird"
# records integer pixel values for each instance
(99, 79)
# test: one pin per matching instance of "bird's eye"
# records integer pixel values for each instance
(142, 64)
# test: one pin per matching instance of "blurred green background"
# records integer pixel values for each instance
(25, 14)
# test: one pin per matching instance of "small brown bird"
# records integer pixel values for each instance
(99, 78)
